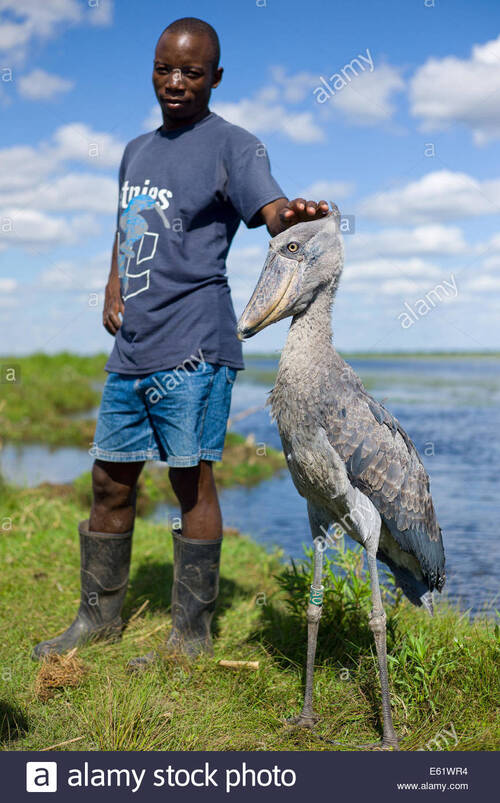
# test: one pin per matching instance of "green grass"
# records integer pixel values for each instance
(443, 671)
(47, 391)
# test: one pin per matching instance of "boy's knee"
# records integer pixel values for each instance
(112, 488)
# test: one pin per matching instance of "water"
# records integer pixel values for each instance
(449, 407)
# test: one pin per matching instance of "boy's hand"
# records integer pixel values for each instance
(300, 211)
(113, 305)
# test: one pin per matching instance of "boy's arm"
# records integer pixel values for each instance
(113, 304)
(282, 213)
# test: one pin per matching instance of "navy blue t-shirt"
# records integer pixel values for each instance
(182, 196)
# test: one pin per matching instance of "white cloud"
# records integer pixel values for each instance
(90, 275)
(35, 181)
(68, 193)
(22, 21)
(243, 269)
(8, 285)
(41, 85)
(439, 196)
(401, 287)
(492, 262)
(327, 190)
(294, 88)
(422, 240)
(414, 268)
(22, 166)
(368, 98)
(483, 284)
(450, 91)
(80, 142)
(153, 120)
(31, 228)
(262, 114)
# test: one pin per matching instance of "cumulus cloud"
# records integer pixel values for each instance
(421, 240)
(35, 181)
(369, 98)
(243, 269)
(293, 88)
(70, 192)
(7, 285)
(483, 284)
(374, 269)
(22, 21)
(32, 228)
(450, 91)
(41, 85)
(327, 190)
(264, 114)
(439, 196)
(86, 275)
(22, 166)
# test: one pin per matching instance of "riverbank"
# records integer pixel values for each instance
(444, 671)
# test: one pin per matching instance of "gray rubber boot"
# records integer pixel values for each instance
(104, 570)
(194, 594)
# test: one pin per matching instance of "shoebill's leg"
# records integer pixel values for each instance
(378, 628)
(368, 525)
(319, 526)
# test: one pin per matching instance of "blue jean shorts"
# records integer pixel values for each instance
(178, 416)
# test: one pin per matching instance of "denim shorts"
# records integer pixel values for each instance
(178, 416)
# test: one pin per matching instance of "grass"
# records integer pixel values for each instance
(48, 391)
(443, 671)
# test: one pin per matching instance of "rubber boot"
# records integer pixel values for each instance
(194, 594)
(104, 570)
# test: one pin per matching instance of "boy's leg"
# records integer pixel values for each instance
(114, 491)
(195, 489)
(105, 550)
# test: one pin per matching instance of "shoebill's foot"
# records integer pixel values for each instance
(303, 720)
(142, 662)
(383, 744)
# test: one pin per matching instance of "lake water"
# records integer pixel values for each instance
(449, 407)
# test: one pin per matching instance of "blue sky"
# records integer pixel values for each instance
(408, 142)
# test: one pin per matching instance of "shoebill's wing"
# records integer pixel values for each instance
(384, 464)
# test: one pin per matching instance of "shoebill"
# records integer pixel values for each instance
(348, 456)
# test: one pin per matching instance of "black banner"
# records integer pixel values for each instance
(287, 776)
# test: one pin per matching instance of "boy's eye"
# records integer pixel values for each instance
(293, 247)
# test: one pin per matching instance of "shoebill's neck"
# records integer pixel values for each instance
(308, 351)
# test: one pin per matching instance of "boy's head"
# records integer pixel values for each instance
(186, 68)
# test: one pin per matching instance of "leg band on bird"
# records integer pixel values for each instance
(307, 718)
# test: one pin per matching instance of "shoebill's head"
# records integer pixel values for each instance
(301, 260)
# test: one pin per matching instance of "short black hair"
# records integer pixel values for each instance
(197, 26)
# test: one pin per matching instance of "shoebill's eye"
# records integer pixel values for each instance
(293, 247)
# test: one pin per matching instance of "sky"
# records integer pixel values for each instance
(390, 109)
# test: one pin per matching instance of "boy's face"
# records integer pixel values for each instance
(183, 75)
